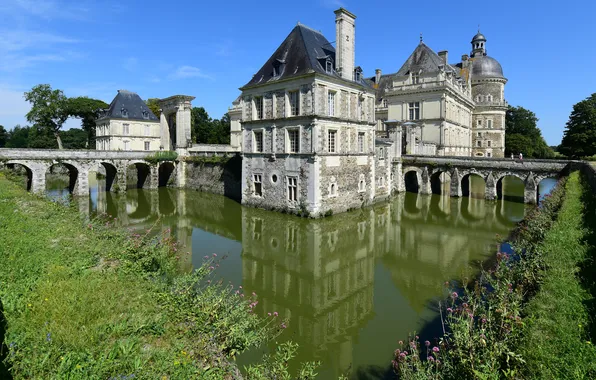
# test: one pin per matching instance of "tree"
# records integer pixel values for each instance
(201, 126)
(153, 104)
(85, 108)
(18, 137)
(522, 134)
(48, 109)
(579, 138)
(75, 138)
(3, 136)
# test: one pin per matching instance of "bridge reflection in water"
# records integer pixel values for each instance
(352, 284)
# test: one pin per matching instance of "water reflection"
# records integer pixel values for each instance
(352, 285)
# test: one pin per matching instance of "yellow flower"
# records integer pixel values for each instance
(176, 362)
(79, 366)
(46, 299)
(29, 305)
(588, 342)
(61, 357)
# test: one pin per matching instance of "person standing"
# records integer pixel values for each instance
(521, 157)
(512, 155)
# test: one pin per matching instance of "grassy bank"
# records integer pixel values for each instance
(556, 342)
(528, 315)
(86, 300)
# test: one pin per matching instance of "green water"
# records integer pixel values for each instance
(351, 285)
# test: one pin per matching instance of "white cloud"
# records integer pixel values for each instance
(184, 72)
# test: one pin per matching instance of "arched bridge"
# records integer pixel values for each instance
(37, 163)
(427, 174)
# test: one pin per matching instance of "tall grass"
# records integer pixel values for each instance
(87, 300)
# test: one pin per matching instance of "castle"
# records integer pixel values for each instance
(320, 138)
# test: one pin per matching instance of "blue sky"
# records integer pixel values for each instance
(208, 49)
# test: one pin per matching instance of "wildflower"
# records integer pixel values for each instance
(269, 314)
(240, 287)
(435, 349)
(454, 295)
(405, 352)
(275, 313)
(205, 257)
(471, 315)
(483, 320)
(241, 295)
(254, 294)
(215, 255)
(412, 344)
(401, 342)
(283, 326)
(450, 310)
(237, 292)
(208, 281)
(402, 355)
(427, 343)
(49, 337)
(430, 359)
(211, 267)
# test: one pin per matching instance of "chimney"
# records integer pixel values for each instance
(344, 45)
(444, 57)
(377, 76)
(464, 57)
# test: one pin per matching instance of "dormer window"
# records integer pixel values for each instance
(278, 67)
(415, 78)
(124, 112)
(358, 74)
(329, 65)
(145, 114)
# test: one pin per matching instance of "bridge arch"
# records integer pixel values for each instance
(513, 190)
(15, 165)
(166, 173)
(111, 174)
(466, 183)
(412, 179)
(140, 173)
(74, 172)
(440, 182)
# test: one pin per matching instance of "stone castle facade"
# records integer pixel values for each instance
(318, 138)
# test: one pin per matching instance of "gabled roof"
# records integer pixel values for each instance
(304, 50)
(133, 106)
(425, 59)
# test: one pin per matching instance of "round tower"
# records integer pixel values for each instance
(488, 92)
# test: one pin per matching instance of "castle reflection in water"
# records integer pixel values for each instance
(352, 284)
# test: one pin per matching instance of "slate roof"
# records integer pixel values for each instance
(130, 102)
(303, 51)
(425, 59)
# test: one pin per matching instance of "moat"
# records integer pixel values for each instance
(351, 285)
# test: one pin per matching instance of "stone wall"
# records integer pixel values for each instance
(215, 177)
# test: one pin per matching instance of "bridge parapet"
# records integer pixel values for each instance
(67, 154)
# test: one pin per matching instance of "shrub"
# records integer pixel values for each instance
(164, 155)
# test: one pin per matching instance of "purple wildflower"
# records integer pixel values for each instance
(427, 343)
(435, 349)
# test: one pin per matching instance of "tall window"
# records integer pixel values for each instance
(258, 141)
(259, 106)
(147, 145)
(147, 130)
(294, 103)
(292, 189)
(479, 123)
(489, 143)
(125, 129)
(126, 145)
(479, 134)
(479, 143)
(331, 140)
(415, 78)
(294, 140)
(489, 124)
(414, 109)
(331, 103)
(361, 142)
(381, 154)
(257, 184)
